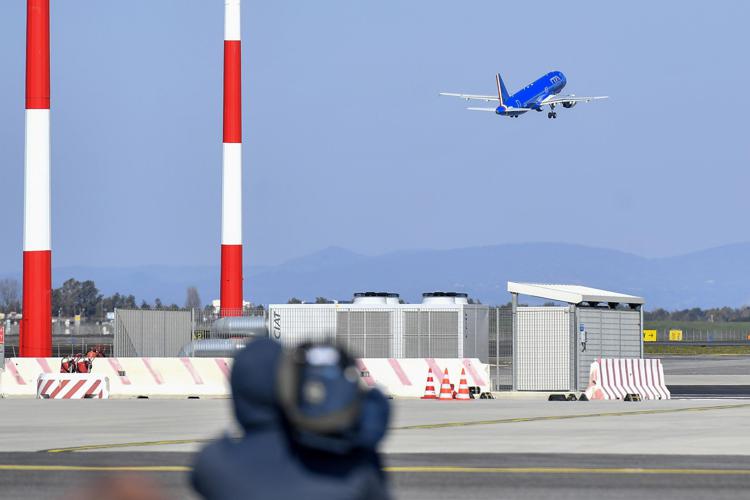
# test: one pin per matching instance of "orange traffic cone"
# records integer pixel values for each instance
(429, 388)
(445, 387)
(463, 388)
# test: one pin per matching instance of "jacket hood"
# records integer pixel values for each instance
(253, 382)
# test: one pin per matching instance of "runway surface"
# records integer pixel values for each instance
(705, 365)
(515, 449)
(418, 476)
(436, 450)
(710, 391)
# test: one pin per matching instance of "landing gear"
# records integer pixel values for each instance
(551, 114)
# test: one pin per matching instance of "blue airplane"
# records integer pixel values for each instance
(542, 92)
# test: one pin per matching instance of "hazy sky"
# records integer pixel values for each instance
(347, 142)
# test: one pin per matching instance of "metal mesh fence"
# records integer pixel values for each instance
(68, 326)
(501, 347)
(543, 349)
(151, 333)
(66, 346)
(68, 337)
(723, 335)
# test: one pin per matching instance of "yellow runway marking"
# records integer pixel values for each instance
(570, 417)
(127, 445)
(95, 468)
(410, 469)
(568, 470)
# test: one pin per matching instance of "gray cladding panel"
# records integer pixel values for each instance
(609, 334)
(151, 333)
(543, 349)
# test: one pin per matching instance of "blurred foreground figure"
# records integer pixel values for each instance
(311, 431)
(120, 487)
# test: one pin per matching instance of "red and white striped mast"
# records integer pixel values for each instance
(36, 325)
(231, 193)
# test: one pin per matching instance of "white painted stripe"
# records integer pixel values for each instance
(619, 388)
(231, 19)
(648, 392)
(635, 370)
(606, 382)
(36, 208)
(661, 385)
(231, 195)
(627, 376)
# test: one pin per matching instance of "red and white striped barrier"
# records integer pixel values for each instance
(209, 377)
(128, 377)
(72, 386)
(616, 378)
(405, 377)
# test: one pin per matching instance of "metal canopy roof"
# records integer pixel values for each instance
(572, 294)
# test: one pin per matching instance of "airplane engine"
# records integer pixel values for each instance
(569, 104)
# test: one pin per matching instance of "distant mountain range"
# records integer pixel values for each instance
(715, 277)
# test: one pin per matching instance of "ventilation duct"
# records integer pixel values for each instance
(375, 298)
(444, 298)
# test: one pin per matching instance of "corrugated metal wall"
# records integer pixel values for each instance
(293, 325)
(365, 334)
(431, 333)
(151, 333)
(609, 334)
(399, 331)
(543, 354)
(476, 331)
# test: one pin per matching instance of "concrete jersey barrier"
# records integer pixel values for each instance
(407, 377)
(616, 378)
(128, 377)
(72, 386)
(183, 377)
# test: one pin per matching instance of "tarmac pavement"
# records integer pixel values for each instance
(416, 476)
(519, 449)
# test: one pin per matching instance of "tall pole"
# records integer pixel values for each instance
(36, 325)
(231, 195)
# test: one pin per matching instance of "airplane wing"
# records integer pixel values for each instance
(486, 98)
(516, 111)
(508, 111)
(562, 99)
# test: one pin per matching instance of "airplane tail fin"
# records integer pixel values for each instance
(502, 92)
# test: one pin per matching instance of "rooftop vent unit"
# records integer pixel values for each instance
(375, 298)
(444, 298)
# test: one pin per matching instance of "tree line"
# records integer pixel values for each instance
(717, 314)
(83, 297)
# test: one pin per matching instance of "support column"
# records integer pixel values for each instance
(36, 325)
(231, 196)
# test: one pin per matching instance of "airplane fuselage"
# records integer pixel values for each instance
(544, 91)
(534, 93)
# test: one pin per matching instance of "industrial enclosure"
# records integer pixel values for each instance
(376, 325)
(554, 346)
(151, 333)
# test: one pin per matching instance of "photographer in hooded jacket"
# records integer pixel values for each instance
(310, 430)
